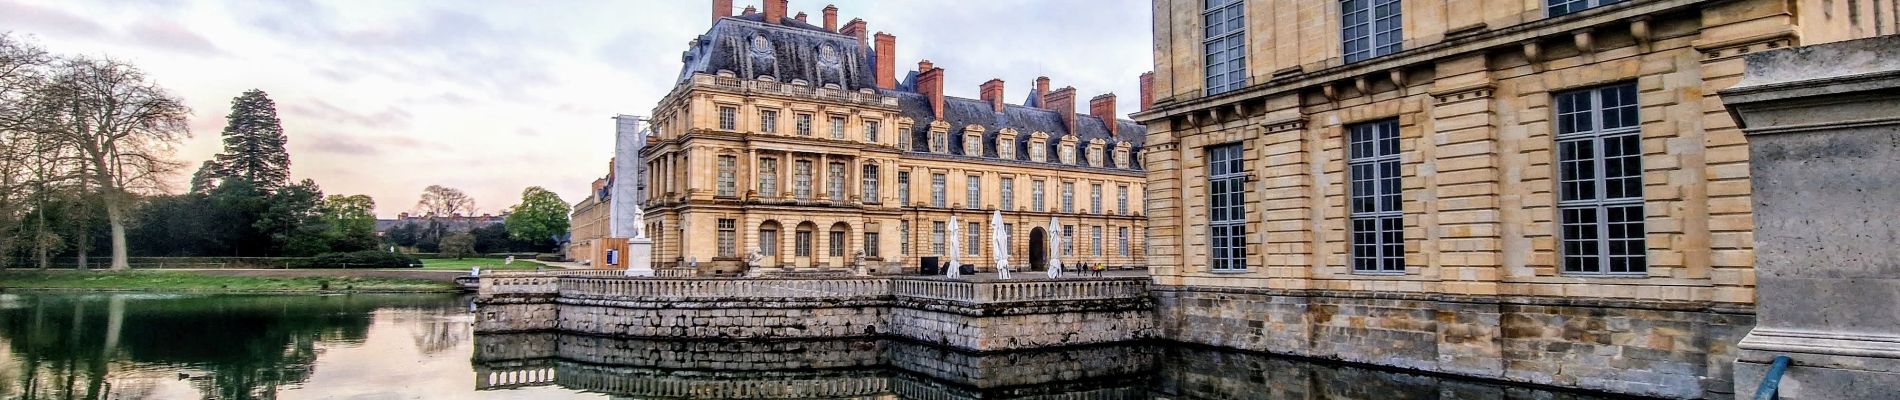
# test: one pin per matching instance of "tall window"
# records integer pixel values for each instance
(1378, 241)
(870, 131)
(801, 243)
(804, 124)
(768, 242)
(1600, 181)
(1225, 44)
(728, 118)
(1561, 7)
(903, 237)
(801, 179)
(1035, 196)
(1068, 240)
(727, 233)
(868, 182)
(1095, 198)
(1121, 199)
(1370, 28)
(1121, 240)
(768, 121)
(728, 169)
(1095, 239)
(973, 192)
(837, 127)
(834, 181)
(903, 188)
(939, 142)
(870, 244)
(972, 239)
(1068, 197)
(836, 243)
(1009, 193)
(936, 237)
(936, 190)
(1226, 208)
(768, 177)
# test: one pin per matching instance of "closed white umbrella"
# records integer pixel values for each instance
(999, 244)
(954, 248)
(1055, 248)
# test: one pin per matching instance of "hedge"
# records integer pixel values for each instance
(360, 259)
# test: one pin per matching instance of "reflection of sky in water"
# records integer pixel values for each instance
(408, 354)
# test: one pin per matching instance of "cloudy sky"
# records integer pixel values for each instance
(386, 97)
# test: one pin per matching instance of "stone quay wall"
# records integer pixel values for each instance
(1652, 348)
(970, 315)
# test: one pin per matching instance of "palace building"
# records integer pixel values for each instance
(1543, 191)
(799, 142)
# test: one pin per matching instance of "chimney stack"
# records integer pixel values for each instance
(1041, 93)
(831, 18)
(749, 11)
(1103, 107)
(886, 61)
(1062, 101)
(854, 28)
(800, 17)
(775, 11)
(721, 9)
(1147, 90)
(930, 84)
(992, 92)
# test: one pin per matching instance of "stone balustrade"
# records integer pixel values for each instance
(715, 289)
(498, 284)
(612, 284)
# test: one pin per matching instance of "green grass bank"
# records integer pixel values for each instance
(219, 281)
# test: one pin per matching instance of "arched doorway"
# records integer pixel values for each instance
(769, 235)
(1038, 255)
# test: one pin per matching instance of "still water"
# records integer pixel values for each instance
(150, 346)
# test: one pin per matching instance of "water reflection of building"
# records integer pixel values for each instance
(901, 369)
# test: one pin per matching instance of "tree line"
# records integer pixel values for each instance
(86, 152)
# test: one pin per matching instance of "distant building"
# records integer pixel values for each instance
(603, 221)
(454, 223)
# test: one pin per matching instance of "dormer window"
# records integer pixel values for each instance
(1068, 153)
(973, 141)
(1121, 156)
(1039, 147)
(939, 137)
(1095, 153)
(1006, 144)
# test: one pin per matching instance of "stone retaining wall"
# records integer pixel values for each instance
(757, 321)
(1652, 348)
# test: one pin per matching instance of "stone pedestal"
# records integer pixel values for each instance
(1823, 125)
(640, 256)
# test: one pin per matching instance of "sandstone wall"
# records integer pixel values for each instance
(739, 322)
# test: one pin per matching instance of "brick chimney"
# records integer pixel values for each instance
(800, 17)
(749, 11)
(1147, 90)
(831, 18)
(855, 28)
(1063, 102)
(775, 11)
(886, 60)
(930, 84)
(1103, 107)
(1042, 93)
(721, 9)
(992, 92)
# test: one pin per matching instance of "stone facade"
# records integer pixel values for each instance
(806, 160)
(1470, 91)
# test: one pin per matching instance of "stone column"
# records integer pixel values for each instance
(751, 182)
(821, 181)
(1823, 127)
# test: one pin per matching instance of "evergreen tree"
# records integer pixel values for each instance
(254, 143)
(205, 179)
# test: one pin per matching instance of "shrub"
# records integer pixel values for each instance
(361, 259)
(548, 257)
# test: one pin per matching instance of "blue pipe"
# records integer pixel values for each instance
(1771, 383)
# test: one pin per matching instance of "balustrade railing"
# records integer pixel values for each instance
(612, 284)
(517, 284)
(721, 289)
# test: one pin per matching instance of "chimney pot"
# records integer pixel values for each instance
(749, 11)
(1042, 93)
(831, 18)
(992, 92)
(1062, 101)
(721, 9)
(886, 61)
(800, 17)
(1147, 90)
(930, 84)
(775, 11)
(855, 28)
(1103, 107)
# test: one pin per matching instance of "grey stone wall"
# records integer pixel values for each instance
(724, 323)
(515, 317)
(1647, 348)
(1021, 331)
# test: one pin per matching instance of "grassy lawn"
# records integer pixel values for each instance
(190, 281)
(485, 263)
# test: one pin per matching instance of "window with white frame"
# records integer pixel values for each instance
(1068, 197)
(728, 118)
(1370, 28)
(728, 233)
(768, 242)
(768, 121)
(1095, 198)
(936, 237)
(939, 142)
(1121, 239)
(837, 127)
(801, 179)
(835, 243)
(1008, 186)
(1005, 149)
(834, 181)
(1038, 152)
(871, 130)
(937, 195)
(870, 245)
(1036, 195)
(1561, 7)
(1095, 239)
(903, 188)
(768, 177)
(973, 145)
(1068, 154)
(868, 183)
(1600, 182)
(903, 237)
(1372, 165)
(1068, 240)
(972, 239)
(728, 169)
(1226, 208)
(801, 243)
(973, 192)
(1224, 44)
(1121, 199)
(804, 124)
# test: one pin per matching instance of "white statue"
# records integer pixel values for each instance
(858, 263)
(955, 249)
(1055, 248)
(639, 222)
(999, 244)
(752, 259)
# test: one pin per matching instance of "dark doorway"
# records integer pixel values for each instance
(1038, 257)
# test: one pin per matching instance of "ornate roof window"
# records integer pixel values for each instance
(1039, 147)
(1121, 155)
(1096, 146)
(1068, 150)
(1006, 144)
(973, 140)
(939, 137)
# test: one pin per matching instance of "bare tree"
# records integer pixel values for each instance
(22, 74)
(121, 128)
(439, 202)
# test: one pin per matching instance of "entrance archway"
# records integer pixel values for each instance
(1038, 255)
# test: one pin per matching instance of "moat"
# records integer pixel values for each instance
(97, 346)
